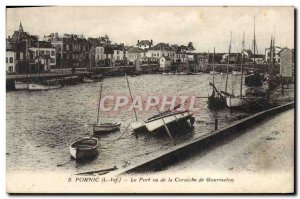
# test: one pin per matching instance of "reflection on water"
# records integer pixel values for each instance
(41, 125)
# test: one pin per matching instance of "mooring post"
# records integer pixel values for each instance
(216, 123)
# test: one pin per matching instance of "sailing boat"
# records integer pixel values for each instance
(215, 101)
(104, 127)
(238, 101)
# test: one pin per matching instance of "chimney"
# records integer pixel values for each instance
(151, 42)
(138, 42)
(56, 36)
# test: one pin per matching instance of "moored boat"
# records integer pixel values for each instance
(85, 148)
(21, 85)
(158, 122)
(213, 72)
(235, 102)
(106, 127)
(39, 87)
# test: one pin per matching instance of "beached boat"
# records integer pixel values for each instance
(158, 122)
(165, 73)
(106, 127)
(88, 80)
(236, 102)
(213, 72)
(84, 149)
(21, 86)
(39, 87)
(234, 72)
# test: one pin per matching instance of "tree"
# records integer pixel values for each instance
(191, 46)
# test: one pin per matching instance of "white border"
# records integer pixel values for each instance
(5, 3)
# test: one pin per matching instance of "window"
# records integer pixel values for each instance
(52, 53)
(52, 60)
(21, 56)
(11, 60)
(6, 60)
(47, 52)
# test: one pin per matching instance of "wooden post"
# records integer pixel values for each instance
(216, 123)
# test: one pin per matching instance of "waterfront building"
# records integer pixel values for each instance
(277, 49)
(72, 51)
(47, 52)
(286, 62)
(135, 55)
(144, 44)
(10, 61)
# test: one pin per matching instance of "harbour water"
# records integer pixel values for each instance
(40, 126)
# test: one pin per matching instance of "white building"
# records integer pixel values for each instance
(10, 61)
(277, 57)
(286, 62)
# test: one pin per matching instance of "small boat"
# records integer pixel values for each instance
(236, 72)
(84, 149)
(168, 118)
(165, 73)
(21, 86)
(39, 87)
(236, 102)
(182, 73)
(106, 127)
(170, 73)
(88, 80)
(214, 72)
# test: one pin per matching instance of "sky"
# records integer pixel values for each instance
(206, 27)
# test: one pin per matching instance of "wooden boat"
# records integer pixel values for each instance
(106, 127)
(158, 122)
(21, 86)
(213, 72)
(236, 102)
(236, 72)
(39, 87)
(88, 80)
(215, 101)
(165, 73)
(84, 149)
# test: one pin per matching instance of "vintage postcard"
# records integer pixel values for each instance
(150, 99)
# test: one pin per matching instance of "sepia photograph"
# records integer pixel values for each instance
(150, 99)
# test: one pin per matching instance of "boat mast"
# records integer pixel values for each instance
(254, 44)
(99, 104)
(228, 62)
(213, 65)
(38, 44)
(243, 46)
(136, 118)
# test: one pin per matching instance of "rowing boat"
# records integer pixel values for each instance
(85, 148)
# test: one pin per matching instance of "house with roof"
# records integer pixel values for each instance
(134, 54)
(44, 48)
(144, 44)
(160, 50)
(10, 61)
(286, 62)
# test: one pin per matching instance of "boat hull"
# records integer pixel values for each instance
(105, 128)
(39, 87)
(84, 153)
(156, 125)
(216, 102)
(21, 86)
(235, 102)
